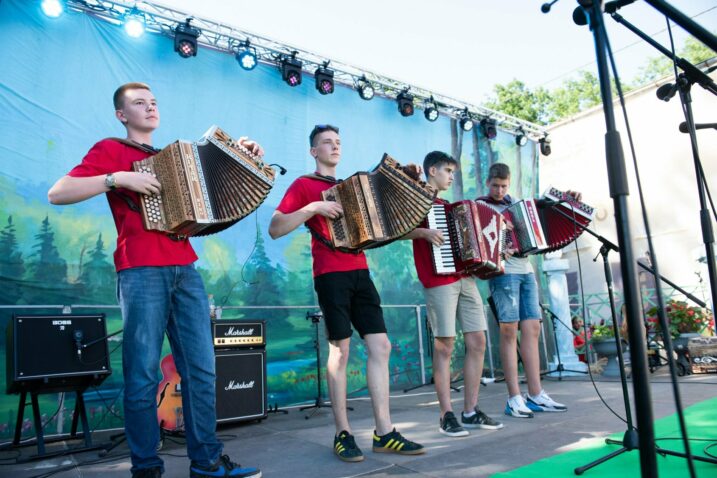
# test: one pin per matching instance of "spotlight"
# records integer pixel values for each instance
(365, 90)
(545, 146)
(291, 70)
(52, 8)
(405, 103)
(521, 139)
(465, 120)
(430, 109)
(134, 24)
(185, 39)
(324, 79)
(246, 56)
(489, 129)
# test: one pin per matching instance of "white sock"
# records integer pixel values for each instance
(469, 414)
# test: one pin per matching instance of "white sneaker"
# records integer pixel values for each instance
(516, 407)
(543, 403)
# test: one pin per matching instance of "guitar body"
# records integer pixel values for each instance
(169, 397)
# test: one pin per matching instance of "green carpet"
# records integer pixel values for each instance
(701, 423)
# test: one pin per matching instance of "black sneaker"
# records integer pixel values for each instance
(394, 442)
(480, 420)
(448, 425)
(223, 467)
(154, 472)
(345, 447)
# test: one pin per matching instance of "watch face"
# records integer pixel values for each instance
(110, 181)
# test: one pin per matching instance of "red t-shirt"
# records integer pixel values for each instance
(302, 192)
(422, 251)
(136, 246)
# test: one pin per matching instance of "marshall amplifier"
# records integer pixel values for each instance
(241, 385)
(233, 334)
(56, 352)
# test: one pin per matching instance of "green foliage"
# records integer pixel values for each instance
(601, 332)
(582, 91)
(12, 266)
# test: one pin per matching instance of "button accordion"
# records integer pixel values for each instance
(546, 224)
(379, 206)
(207, 185)
(473, 235)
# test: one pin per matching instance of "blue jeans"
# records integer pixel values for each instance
(172, 299)
(515, 297)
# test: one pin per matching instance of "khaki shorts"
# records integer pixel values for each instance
(459, 300)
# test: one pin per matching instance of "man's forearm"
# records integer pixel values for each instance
(70, 190)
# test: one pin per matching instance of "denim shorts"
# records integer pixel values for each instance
(515, 297)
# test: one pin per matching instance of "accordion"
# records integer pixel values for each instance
(207, 185)
(379, 206)
(474, 239)
(546, 224)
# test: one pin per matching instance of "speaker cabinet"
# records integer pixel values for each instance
(42, 352)
(241, 385)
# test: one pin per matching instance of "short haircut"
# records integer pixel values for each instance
(118, 97)
(321, 128)
(437, 159)
(499, 170)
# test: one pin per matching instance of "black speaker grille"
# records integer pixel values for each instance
(241, 385)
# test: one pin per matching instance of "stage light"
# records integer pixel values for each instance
(324, 79)
(521, 139)
(291, 70)
(465, 121)
(365, 89)
(545, 149)
(134, 24)
(430, 109)
(405, 103)
(52, 8)
(489, 129)
(185, 39)
(246, 56)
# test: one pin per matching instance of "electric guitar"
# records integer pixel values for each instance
(169, 397)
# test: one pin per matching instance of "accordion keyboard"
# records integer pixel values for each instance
(443, 254)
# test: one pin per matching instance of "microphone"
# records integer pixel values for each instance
(545, 8)
(683, 126)
(78, 335)
(545, 203)
(580, 17)
(282, 169)
(612, 7)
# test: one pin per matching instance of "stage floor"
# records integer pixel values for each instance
(292, 446)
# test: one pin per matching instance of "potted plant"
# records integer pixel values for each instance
(685, 321)
(602, 338)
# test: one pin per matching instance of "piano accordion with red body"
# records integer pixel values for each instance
(207, 185)
(473, 239)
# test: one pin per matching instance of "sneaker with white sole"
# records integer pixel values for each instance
(516, 407)
(448, 425)
(480, 420)
(543, 403)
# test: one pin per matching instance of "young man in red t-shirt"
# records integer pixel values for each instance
(159, 292)
(347, 297)
(451, 297)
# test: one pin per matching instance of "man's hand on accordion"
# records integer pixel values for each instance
(434, 236)
(329, 209)
(142, 183)
(576, 194)
(252, 146)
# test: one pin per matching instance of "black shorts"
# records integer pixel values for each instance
(349, 298)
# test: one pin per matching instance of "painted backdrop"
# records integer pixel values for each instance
(56, 85)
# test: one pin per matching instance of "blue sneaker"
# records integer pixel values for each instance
(543, 403)
(223, 467)
(516, 407)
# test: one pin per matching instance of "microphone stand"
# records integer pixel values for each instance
(691, 74)
(559, 368)
(619, 191)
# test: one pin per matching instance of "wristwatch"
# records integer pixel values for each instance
(110, 181)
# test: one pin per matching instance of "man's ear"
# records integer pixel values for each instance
(120, 116)
(312, 152)
(432, 171)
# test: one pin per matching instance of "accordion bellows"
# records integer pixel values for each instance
(207, 185)
(379, 206)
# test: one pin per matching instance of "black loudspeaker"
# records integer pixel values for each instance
(241, 385)
(42, 352)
